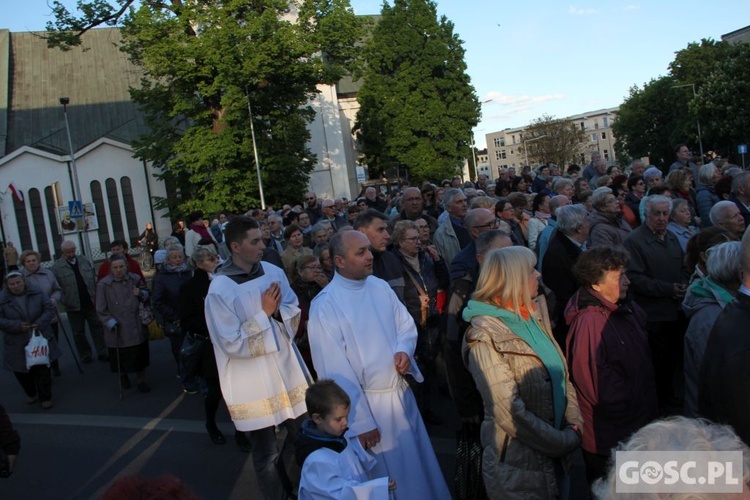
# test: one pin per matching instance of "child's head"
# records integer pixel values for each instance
(328, 407)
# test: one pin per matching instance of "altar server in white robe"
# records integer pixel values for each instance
(252, 315)
(363, 338)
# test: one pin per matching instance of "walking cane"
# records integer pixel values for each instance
(65, 334)
(119, 370)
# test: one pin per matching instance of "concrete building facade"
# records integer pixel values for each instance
(507, 148)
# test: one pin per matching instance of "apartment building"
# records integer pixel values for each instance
(507, 148)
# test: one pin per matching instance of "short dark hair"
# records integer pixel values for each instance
(537, 203)
(518, 200)
(119, 243)
(289, 230)
(194, 216)
(237, 228)
(368, 217)
(500, 205)
(593, 264)
(633, 180)
(322, 396)
(679, 146)
(118, 256)
(487, 238)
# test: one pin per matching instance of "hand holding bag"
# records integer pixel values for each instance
(37, 350)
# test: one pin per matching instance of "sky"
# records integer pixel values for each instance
(530, 57)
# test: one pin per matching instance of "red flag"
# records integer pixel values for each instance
(17, 194)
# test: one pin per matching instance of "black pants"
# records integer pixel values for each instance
(666, 340)
(37, 382)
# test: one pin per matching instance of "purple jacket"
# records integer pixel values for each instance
(610, 367)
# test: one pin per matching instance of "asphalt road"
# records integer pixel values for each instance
(90, 438)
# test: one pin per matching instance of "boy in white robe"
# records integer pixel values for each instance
(332, 466)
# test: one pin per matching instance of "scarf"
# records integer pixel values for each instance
(530, 332)
(200, 229)
(176, 269)
(412, 261)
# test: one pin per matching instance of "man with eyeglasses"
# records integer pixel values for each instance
(328, 209)
(476, 222)
(312, 207)
(413, 210)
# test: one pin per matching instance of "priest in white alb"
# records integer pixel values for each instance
(252, 314)
(362, 337)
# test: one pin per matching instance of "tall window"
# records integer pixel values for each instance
(101, 216)
(22, 222)
(604, 135)
(606, 121)
(113, 200)
(40, 227)
(129, 203)
(49, 201)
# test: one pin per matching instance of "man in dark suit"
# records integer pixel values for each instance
(566, 244)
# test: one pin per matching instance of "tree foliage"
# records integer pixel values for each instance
(206, 63)
(665, 112)
(417, 102)
(557, 140)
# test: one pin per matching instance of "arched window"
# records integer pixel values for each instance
(113, 200)
(129, 204)
(49, 201)
(40, 227)
(22, 222)
(101, 216)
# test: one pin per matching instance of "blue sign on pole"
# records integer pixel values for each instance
(742, 149)
(76, 209)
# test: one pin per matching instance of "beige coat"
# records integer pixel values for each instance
(518, 433)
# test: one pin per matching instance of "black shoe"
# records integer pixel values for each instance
(431, 419)
(143, 387)
(86, 359)
(215, 434)
(125, 381)
(241, 440)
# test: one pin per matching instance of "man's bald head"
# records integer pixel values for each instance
(478, 221)
(350, 251)
(412, 201)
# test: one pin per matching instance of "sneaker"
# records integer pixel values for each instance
(47, 405)
(125, 381)
(31, 400)
(143, 387)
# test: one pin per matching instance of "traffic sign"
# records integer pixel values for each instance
(76, 209)
(742, 149)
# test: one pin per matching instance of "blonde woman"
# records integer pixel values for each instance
(531, 416)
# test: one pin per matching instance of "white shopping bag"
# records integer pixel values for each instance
(37, 350)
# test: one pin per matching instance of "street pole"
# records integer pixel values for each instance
(697, 120)
(77, 194)
(473, 154)
(255, 153)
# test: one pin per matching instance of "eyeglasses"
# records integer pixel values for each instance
(414, 239)
(489, 224)
(309, 199)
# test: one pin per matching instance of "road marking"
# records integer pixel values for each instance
(131, 443)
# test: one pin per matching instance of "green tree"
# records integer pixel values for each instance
(724, 101)
(557, 140)
(664, 112)
(417, 104)
(206, 64)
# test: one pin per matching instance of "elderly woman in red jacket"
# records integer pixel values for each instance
(608, 356)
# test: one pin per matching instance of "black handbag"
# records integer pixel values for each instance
(191, 354)
(468, 483)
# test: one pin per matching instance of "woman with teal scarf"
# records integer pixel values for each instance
(531, 416)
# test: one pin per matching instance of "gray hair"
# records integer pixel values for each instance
(472, 217)
(449, 194)
(676, 205)
(319, 226)
(275, 217)
(570, 218)
(201, 253)
(175, 247)
(740, 180)
(561, 182)
(649, 201)
(483, 202)
(651, 172)
(719, 210)
(676, 434)
(706, 174)
(724, 262)
(599, 197)
(556, 202)
(400, 228)
(485, 240)
(170, 240)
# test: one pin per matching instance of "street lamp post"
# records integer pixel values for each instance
(255, 153)
(526, 149)
(697, 120)
(77, 194)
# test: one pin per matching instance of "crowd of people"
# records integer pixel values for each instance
(563, 311)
